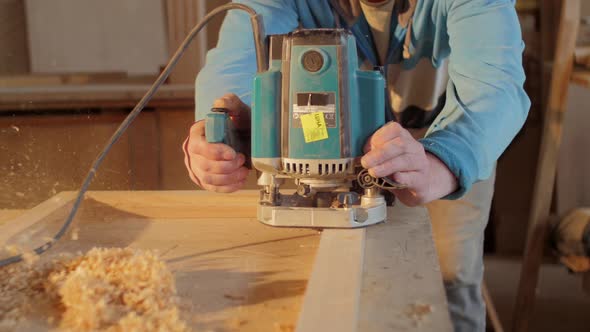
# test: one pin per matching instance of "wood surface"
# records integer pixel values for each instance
(391, 278)
(543, 189)
(581, 77)
(232, 273)
(92, 96)
(235, 274)
(402, 287)
(333, 291)
(7, 215)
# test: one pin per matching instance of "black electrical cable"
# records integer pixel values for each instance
(258, 31)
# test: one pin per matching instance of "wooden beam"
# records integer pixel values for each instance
(544, 184)
(182, 16)
(388, 279)
(332, 303)
(92, 96)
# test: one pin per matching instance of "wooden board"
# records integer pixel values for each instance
(235, 274)
(389, 274)
(14, 54)
(7, 215)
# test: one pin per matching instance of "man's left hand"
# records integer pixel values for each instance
(393, 152)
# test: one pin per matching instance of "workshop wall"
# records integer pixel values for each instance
(96, 36)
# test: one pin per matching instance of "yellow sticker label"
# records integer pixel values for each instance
(314, 127)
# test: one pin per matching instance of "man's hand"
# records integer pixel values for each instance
(216, 166)
(393, 152)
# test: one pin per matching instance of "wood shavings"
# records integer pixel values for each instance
(75, 232)
(418, 312)
(105, 290)
(283, 327)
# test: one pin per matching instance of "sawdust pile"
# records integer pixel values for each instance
(104, 290)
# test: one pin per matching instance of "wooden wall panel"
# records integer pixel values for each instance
(182, 16)
(88, 36)
(14, 54)
(42, 154)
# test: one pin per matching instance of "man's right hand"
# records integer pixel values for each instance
(216, 166)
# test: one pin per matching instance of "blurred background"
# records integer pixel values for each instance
(71, 70)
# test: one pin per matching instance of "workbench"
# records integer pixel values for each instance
(236, 274)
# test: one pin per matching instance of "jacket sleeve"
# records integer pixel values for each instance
(486, 104)
(230, 66)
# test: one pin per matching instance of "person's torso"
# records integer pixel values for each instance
(407, 37)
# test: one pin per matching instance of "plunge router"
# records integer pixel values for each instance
(312, 112)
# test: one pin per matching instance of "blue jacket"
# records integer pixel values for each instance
(485, 106)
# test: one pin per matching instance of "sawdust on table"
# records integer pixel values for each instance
(111, 290)
(419, 312)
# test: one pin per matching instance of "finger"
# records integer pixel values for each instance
(238, 111)
(381, 154)
(211, 151)
(237, 176)
(231, 102)
(386, 133)
(402, 163)
(367, 146)
(197, 129)
(407, 178)
(217, 167)
(225, 189)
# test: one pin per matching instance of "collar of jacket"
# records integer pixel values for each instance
(350, 10)
(351, 13)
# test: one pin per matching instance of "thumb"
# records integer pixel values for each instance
(238, 111)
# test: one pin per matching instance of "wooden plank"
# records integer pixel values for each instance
(543, 190)
(581, 77)
(92, 96)
(402, 287)
(23, 81)
(391, 282)
(33, 221)
(182, 16)
(7, 215)
(332, 297)
(14, 57)
(232, 273)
